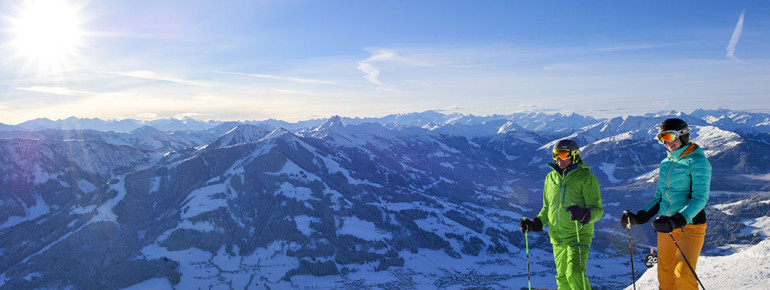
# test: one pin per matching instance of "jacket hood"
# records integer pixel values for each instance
(579, 165)
(686, 150)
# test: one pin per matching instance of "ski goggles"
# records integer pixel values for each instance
(671, 135)
(562, 154)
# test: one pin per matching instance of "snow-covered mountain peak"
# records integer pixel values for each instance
(508, 127)
(278, 133)
(431, 126)
(754, 123)
(669, 114)
(239, 135)
(186, 124)
(419, 119)
(332, 127)
(146, 131)
(334, 123)
(714, 140)
(552, 123)
(183, 118)
(38, 123)
(458, 118)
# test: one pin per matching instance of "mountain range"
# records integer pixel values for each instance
(420, 200)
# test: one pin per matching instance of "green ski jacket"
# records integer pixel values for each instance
(578, 186)
(684, 182)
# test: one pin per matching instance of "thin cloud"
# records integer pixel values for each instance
(372, 73)
(530, 106)
(150, 75)
(56, 91)
(189, 115)
(563, 67)
(630, 47)
(633, 47)
(735, 37)
(147, 116)
(282, 78)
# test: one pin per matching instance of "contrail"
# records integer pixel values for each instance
(371, 72)
(736, 36)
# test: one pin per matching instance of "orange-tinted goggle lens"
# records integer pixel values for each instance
(667, 136)
(561, 154)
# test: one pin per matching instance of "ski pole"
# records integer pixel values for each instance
(580, 256)
(685, 259)
(526, 243)
(630, 249)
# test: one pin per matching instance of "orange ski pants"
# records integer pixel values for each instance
(673, 272)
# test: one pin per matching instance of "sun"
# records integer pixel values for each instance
(46, 33)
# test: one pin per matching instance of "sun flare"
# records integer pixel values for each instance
(46, 33)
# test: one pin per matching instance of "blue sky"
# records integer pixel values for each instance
(297, 60)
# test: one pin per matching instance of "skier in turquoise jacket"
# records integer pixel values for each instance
(572, 204)
(680, 199)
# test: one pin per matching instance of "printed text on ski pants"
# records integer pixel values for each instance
(673, 272)
(569, 276)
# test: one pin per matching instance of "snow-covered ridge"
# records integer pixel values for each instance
(715, 140)
(429, 200)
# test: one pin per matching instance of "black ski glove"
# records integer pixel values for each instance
(665, 224)
(577, 213)
(643, 216)
(636, 219)
(534, 225)
(627, 218)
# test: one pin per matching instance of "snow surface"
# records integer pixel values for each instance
(759, 177)
(746, 270)
(104, 212)
(609, 170)
(154, 185)
(204, 200)
(292, 169)
(303, 224)
(152, 284)
(714, 140)
(86, 186)
(296, 192)
(335, 167)
(30, 213)
(78, 210)
(759, 226)
(201, 269)
(616, 138)
(363, 229)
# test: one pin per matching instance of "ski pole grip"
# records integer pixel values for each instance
(525, 233)
(628, 217)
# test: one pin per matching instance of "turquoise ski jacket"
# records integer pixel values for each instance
(578, 186)
(683, 186)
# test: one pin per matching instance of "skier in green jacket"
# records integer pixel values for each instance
(571, 204)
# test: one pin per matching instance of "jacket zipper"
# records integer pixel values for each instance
(563, 189)
(668, 185)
